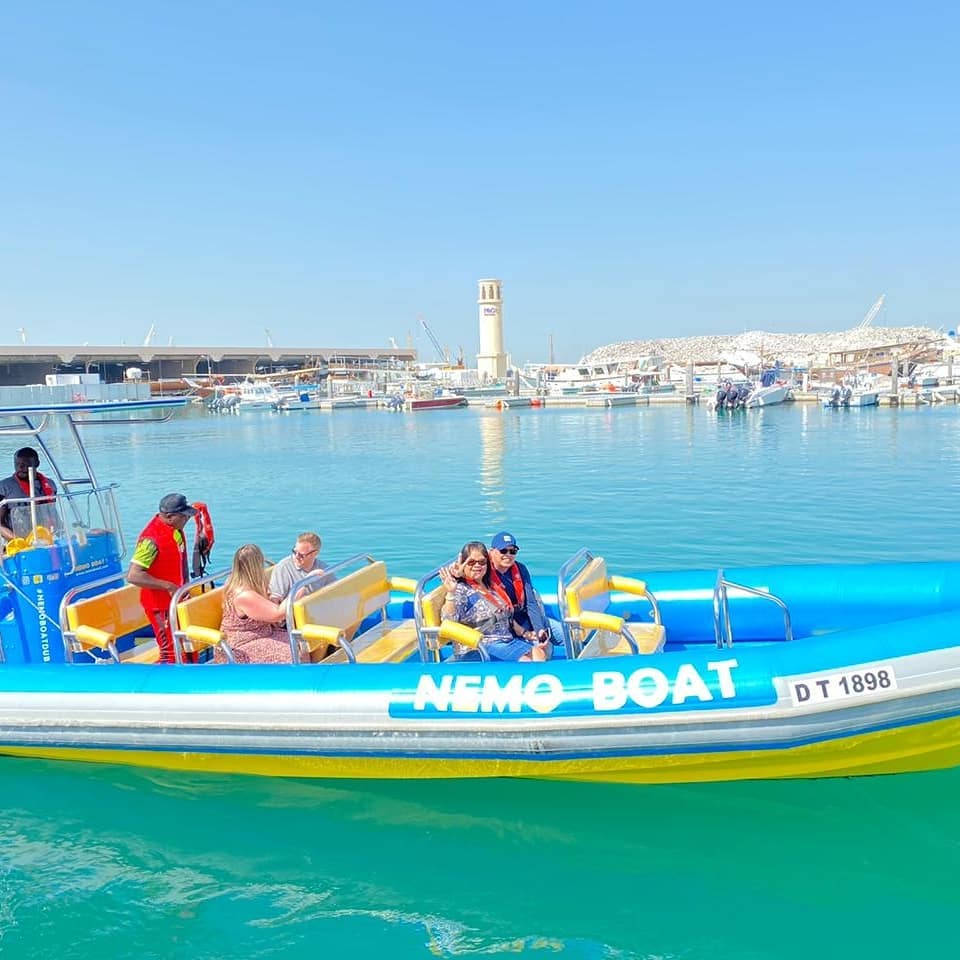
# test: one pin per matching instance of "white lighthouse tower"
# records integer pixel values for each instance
(491, 360)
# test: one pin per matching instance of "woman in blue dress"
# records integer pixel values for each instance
(474, 599)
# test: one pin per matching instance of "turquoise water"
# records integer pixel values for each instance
(103, 861)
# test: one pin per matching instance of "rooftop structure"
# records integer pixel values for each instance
(30, 363)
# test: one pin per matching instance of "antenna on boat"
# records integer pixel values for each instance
(151, 333)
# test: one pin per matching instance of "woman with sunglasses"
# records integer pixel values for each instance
(472, 598)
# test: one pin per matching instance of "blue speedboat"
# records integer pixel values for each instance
(661, 676)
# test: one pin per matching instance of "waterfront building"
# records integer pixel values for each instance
(492, 358)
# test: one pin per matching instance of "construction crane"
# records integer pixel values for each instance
(151, 333)
(872, 313)
(441, 353)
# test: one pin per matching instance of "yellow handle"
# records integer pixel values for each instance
(403, 584)
(628, 585)
(601, 621)
(461, 633)
(88, 637)
(203, 637)
(317, 635)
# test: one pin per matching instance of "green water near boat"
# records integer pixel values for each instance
(128, 863)
(125, 863)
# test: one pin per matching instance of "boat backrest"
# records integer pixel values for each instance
(346, 602)
(589, 589)
(100, 622)
(197, 625)
(117, 612)
(590, 631)
(203, 610)
(432, 602)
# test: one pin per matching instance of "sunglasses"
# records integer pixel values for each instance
(510, 551)
(474, 563)
(303, 556)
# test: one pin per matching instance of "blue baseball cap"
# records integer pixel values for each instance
(503, 539)
(176, 503)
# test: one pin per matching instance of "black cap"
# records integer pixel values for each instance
(176, 503)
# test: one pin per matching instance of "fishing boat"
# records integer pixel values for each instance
(634, 374)
(257, 395)
(849, 396)
(767, 395)
(313, 401)
(444, 402)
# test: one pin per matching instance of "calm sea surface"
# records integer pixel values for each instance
(103, 861)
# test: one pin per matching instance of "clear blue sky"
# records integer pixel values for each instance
(331, 170)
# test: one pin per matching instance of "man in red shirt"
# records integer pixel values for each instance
(159, 567)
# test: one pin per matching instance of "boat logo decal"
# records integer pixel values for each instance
(601, 692)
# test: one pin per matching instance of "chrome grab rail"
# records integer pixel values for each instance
(179, 636)
(572, 639)
(314, 581)
(722, 629)
(27, 431)
(71, 595)
(428, 638)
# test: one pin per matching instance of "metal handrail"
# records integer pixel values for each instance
(28, 431)
(122, 420)
(719, 611)
(178, 635)
(581, 558)
(722, 628)
(314, 579)
(428, 637)
(110, 515)
(69, 597)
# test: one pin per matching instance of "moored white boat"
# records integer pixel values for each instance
(307, 401)
(852, 397)
(769, 396)
(257, 395)
(610, 398)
